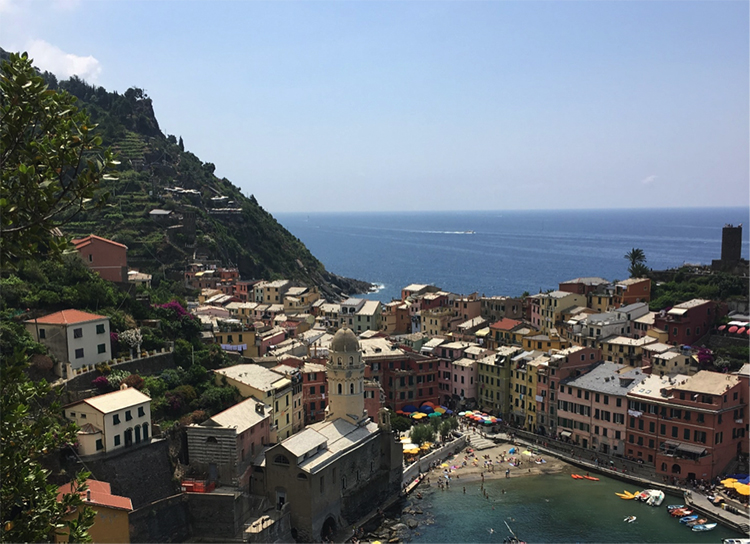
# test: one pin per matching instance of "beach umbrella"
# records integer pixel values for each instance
(449, 412)
(428, 403)
(728, 480)
(745, 480)
(732, 485)
(742, 489)
(434, 414)
(440, 410)
(462, 414)
(418, 415)
(732, 330)
(741, 330)
(426, 409)
(400, 413)
(443, 407)
(527, 452)
(722, 327)
(409, 446)
(409, 408)
(487, 422)
(414, 451)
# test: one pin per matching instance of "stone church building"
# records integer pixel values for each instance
(334, 472)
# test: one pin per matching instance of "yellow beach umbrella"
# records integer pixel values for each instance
(742, 489)
(728, 481)
(732, 485)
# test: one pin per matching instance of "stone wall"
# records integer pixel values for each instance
(219, 515)
(145, 366)
(166, 520)
(142, 472)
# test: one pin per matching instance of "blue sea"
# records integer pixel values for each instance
(508, 252)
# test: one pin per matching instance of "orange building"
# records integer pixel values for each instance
(107, 258)
(632, 290)
(111, 521)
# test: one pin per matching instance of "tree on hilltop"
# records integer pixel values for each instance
(637, 259)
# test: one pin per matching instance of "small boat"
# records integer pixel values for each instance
(675, 507)
(643, 495)
(700, 521)
(591, 478)
(655, 497)
(576, 476)
(626, 496)
(681, 513)
(689, 518)
(630, 519)
(704, 527)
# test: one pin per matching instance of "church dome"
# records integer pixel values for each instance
(344, 341)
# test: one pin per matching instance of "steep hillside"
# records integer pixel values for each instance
(169, 208)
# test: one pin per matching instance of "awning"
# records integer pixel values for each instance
(565, 434)
(688, 448)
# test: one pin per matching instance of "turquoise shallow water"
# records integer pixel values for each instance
(550, 508)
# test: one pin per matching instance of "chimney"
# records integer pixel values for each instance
(88, 495)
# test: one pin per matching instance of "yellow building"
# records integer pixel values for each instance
(532, 379)
(624, 350)
(234, 336)
(600, 302)
(244, 312)
(547, 308)
(435, 322)
(111, 521)
(267, 386)
(544, 342)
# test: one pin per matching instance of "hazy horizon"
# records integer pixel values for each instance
(386, 106)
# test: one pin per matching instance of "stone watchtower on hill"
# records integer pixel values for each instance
(346, 375)
(731, 251)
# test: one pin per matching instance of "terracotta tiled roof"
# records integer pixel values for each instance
(67, 317)
(100, 494)
(81, 242)
(505, 324)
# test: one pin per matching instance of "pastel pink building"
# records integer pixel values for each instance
(592, 408)
(464, 376)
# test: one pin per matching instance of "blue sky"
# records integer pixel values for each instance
(356, 105)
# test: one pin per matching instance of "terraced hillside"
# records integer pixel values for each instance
(168, 207)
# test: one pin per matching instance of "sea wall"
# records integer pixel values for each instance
(423, 465)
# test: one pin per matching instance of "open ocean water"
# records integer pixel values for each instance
(508, 252)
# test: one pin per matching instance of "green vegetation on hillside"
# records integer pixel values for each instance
(686, 286)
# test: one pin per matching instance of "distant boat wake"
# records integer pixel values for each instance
(446, 231)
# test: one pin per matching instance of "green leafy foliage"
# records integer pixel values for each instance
(52, 163)
(32, 428)
(686, 286)
(400, 423)
(637, 259)
(422, 433)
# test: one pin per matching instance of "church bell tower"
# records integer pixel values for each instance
(346, 375)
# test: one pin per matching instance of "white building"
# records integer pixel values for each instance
(111, 421)
(77, 339)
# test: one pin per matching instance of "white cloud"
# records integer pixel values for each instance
(53, 59)
(648, 180)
